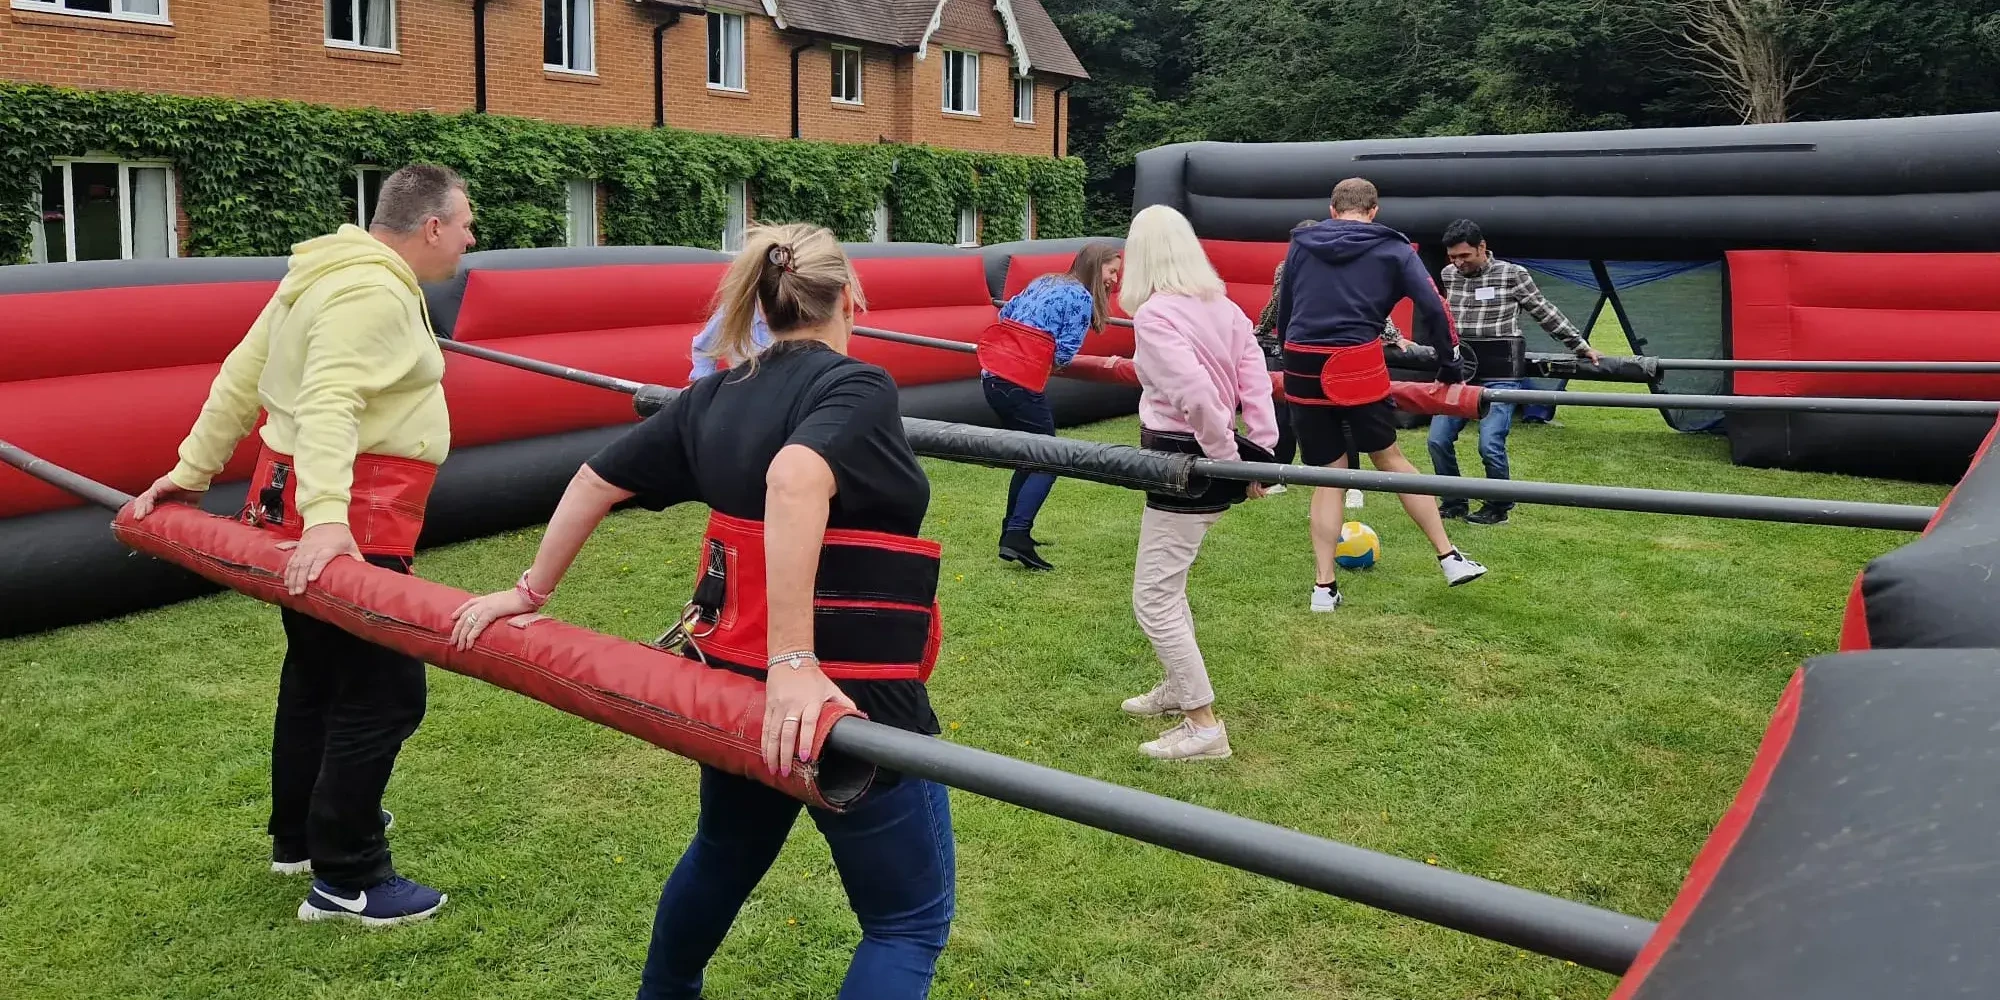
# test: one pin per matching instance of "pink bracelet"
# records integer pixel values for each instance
(528, 593)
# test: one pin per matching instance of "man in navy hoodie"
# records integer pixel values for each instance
(1342, 276)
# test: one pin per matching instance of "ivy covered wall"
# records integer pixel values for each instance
(254, 177)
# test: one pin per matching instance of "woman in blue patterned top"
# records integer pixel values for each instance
(1040, 330)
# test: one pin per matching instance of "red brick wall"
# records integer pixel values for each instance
(276, 48)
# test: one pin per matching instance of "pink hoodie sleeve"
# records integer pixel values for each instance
(1253, 385)
(1168, 364)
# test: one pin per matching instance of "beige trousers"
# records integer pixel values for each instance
(1168, 545)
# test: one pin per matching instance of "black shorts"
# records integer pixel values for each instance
(1327, 433)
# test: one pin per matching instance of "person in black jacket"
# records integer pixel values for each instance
(1341, 278)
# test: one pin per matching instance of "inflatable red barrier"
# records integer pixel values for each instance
(1432, 399)
(709, 715)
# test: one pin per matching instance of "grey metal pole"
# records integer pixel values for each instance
(550, 368)
(1847, 513)
(1769, 404)
(918, 340)
(63, 479)
(1540, 923)
(1911, 367)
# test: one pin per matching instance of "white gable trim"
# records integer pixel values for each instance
(937, 18)
(771, 11)
(1006, 11)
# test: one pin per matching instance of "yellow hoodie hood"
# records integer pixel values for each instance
(327, 256)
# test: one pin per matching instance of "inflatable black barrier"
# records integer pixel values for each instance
(1940, 591)
(1910, 184)
(1858, 859)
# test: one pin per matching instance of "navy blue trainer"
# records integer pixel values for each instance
(397, 901)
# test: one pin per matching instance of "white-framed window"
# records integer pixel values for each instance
(738, 218)
(1028, 219)
(569, 36)
(367, 191)
(846, 74)
(878, 230)
(106, 209)
(961, 82)
(1024, 99)
(725, 51)
(968, 227)
(581, 213)
(361, 24)
(149, 11)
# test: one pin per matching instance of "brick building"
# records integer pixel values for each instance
(985, 75)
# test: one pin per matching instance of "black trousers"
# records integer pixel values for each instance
(345, 707)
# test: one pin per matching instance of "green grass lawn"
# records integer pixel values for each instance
(1574, 723)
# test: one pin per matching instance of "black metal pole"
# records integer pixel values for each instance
(796, 134)
(1745, 507)
(544, 367)
(1544, 924)
(1774, 404)
(1121, 465)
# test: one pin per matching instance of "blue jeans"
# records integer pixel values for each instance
(1022, 410)
(1493, 428)
(895, 856)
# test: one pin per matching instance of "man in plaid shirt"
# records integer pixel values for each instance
(1486, 296)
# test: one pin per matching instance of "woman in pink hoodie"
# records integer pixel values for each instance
(1199, 366)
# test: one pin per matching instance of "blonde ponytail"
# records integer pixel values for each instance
(794, 273)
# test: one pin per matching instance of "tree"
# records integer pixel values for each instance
(1757, 55)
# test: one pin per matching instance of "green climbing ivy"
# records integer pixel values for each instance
(255, 177)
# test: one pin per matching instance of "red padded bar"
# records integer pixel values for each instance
(119, 428)
(85, 332)
(505, 304)
(712, 716)
(1802, 306)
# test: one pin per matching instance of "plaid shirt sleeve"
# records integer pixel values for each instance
(1545, 312)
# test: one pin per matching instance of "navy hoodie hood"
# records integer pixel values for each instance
(1341, 279)
(1338, 241)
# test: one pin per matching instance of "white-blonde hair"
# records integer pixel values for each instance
(1163, 255)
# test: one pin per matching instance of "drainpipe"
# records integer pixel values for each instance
(660, 67)
(1057, 144)
(479, 56)
(795, 86)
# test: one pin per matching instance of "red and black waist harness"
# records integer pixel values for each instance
(1323, 375)
(875, 611)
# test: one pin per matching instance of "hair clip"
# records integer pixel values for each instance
(781, 255)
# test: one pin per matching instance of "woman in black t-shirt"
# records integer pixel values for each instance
(799, 452)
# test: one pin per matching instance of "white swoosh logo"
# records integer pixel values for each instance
(351, 906)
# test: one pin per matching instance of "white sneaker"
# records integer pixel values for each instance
(1274, 489)
(1183, 743)
(1152, 703)
(1458, 569)
(1355, 499)
(1325, 600)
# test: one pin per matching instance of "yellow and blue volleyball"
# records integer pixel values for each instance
(1358, 548)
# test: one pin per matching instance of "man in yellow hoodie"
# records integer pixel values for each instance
(344, 366)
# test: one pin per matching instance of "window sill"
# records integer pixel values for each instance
(1018, 123)
(732, 93)
(849, 106)
(571, 76)
(384, 56)
(87, 21)
(972, 115)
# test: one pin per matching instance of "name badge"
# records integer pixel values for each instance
(1483, 294)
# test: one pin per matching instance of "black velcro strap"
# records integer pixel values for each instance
(1305, 363)
(864, 573)
(871, 635)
